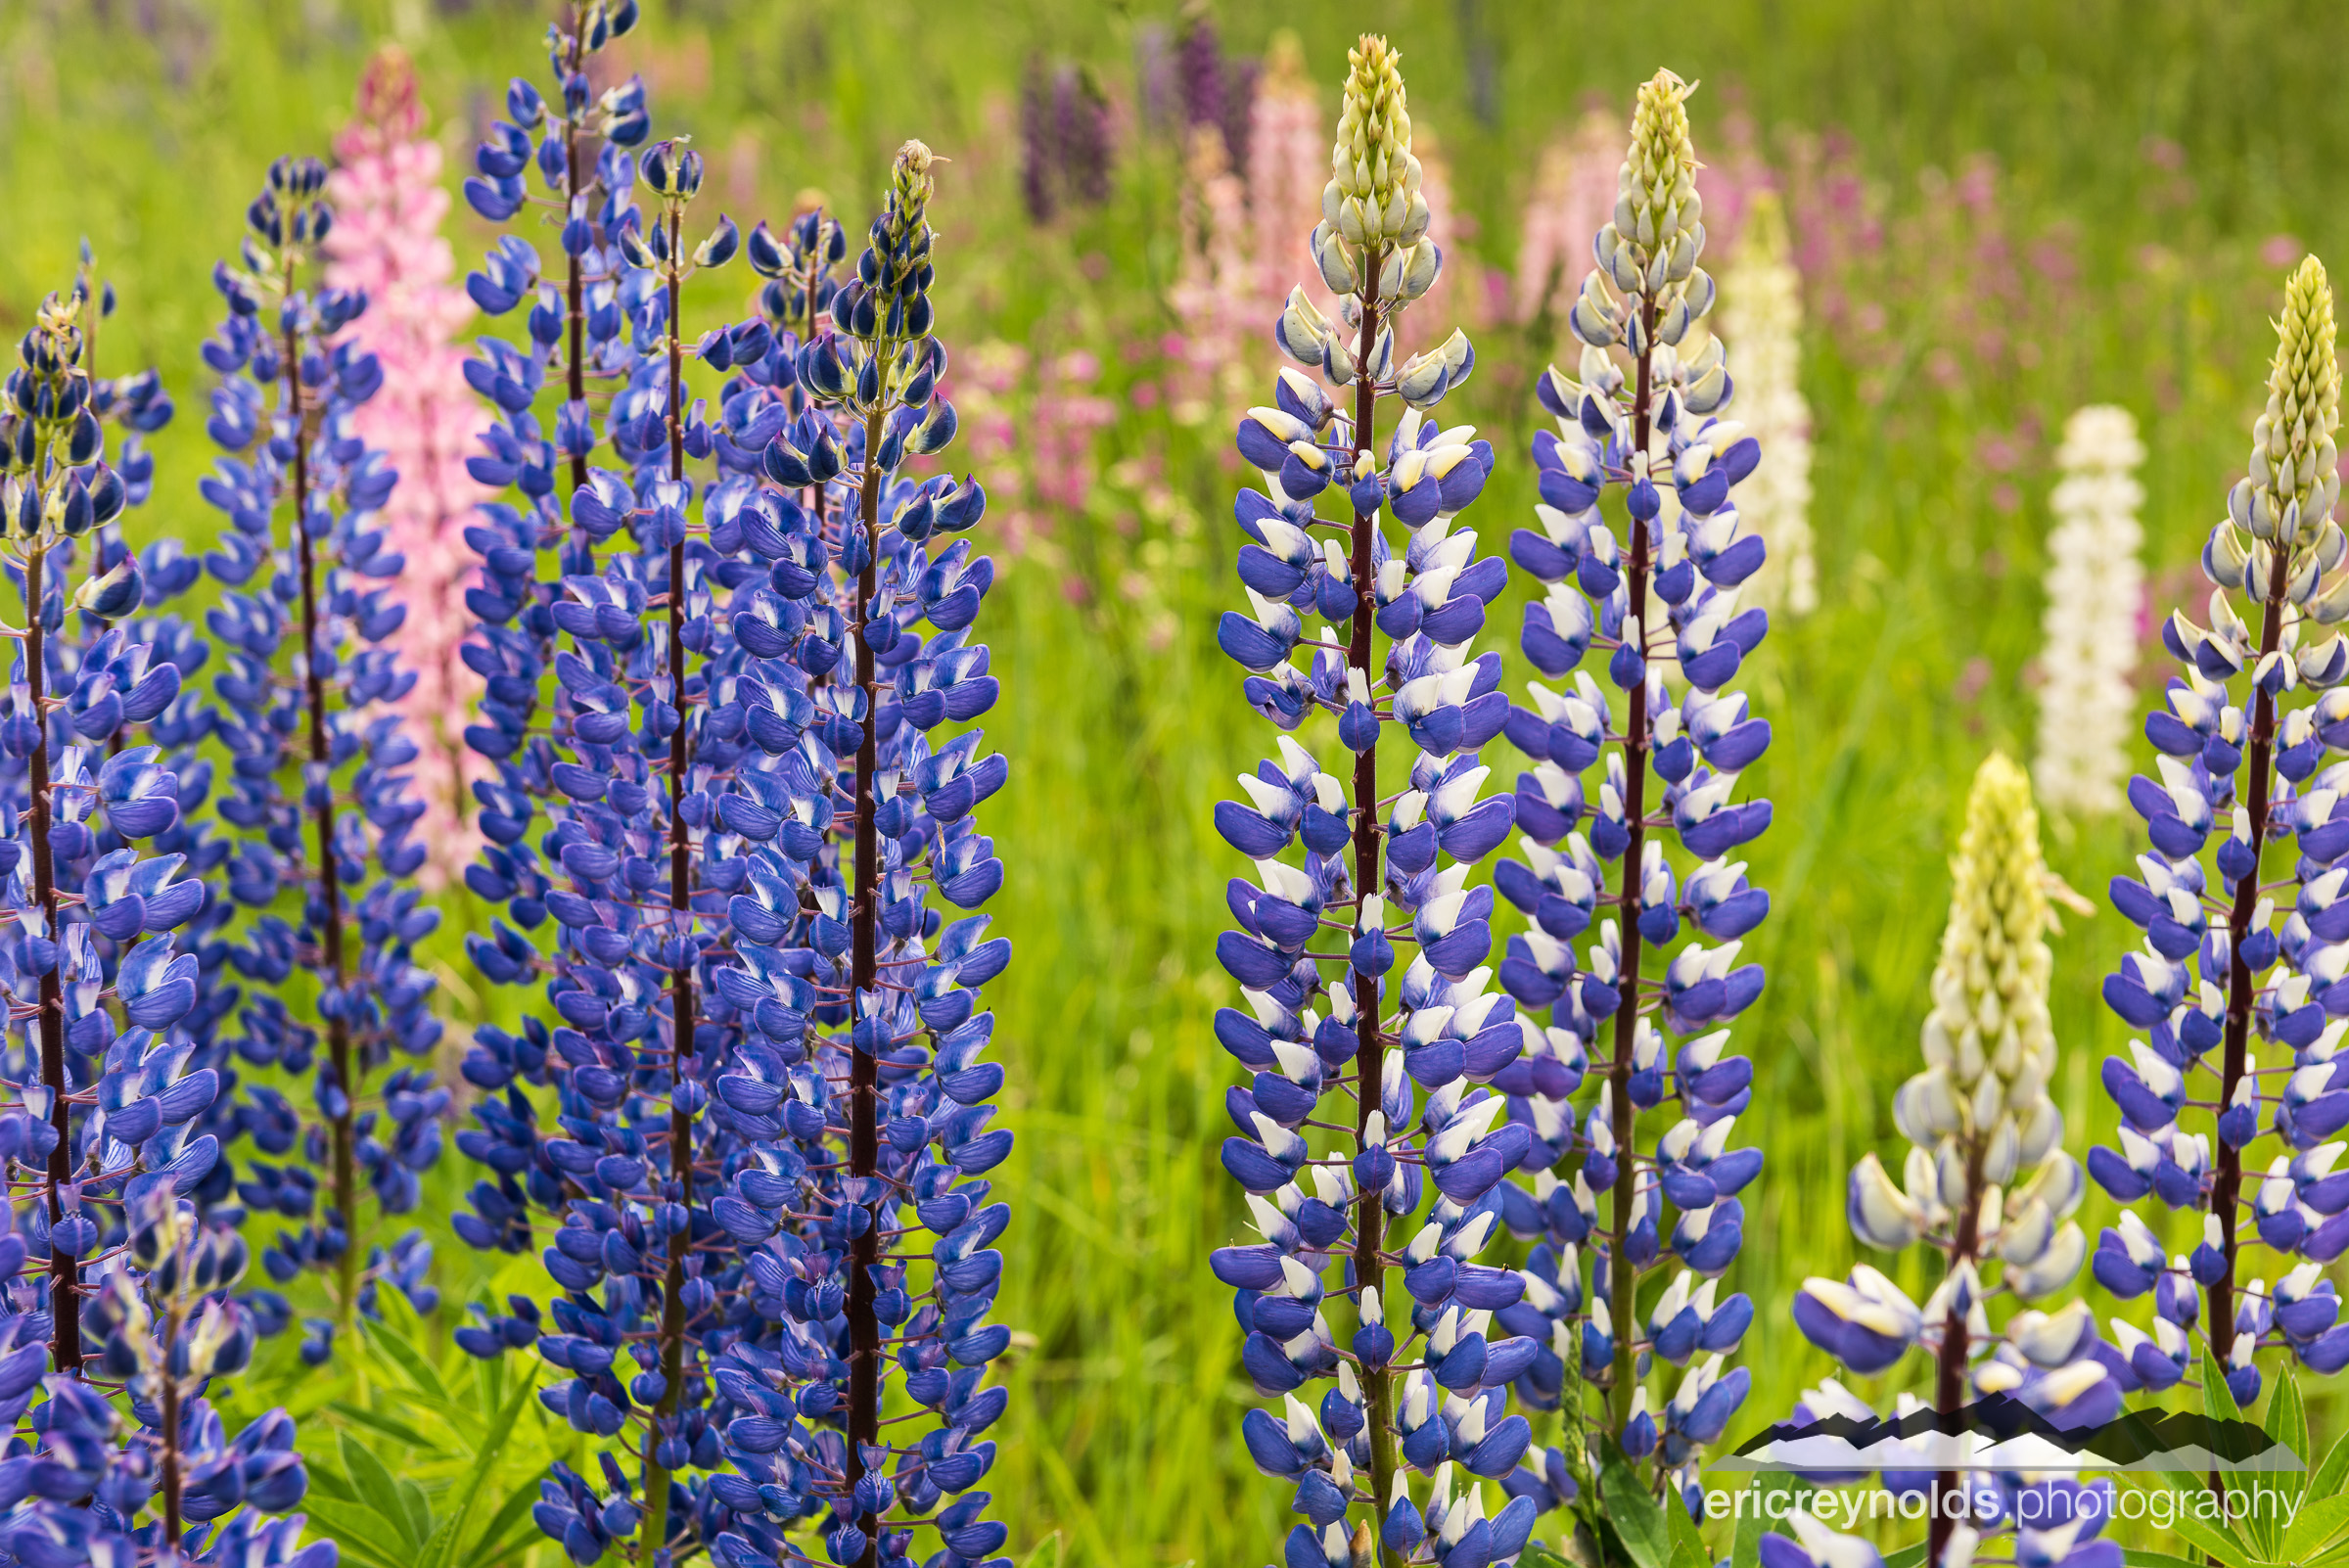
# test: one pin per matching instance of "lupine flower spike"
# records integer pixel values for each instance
(862, 1002)
(1646, 1004)
(93, 1487)
(1762, 320)
(316, 761)
(100, 1102)
(1421, 1044)
(389, 205)
(2096, 589)
(1986, 1183)
(2245, 964)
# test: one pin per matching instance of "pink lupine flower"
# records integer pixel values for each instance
(1288, 163)
(1572, 198)
(1215, 285)
(386, 240)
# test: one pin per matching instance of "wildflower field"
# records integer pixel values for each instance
(2000, 290)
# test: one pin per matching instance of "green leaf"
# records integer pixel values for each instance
(411, 1362)
(2332, 1470)
(2319, 1520)
(397, 1430)
(1906, 1556)
(515, 1508)
(376, 1488)
(485, 1459)
(1688, 1545)
(1536, 1556)
(419, 1509)
(1047, 1553)
(2137, 1557)
(1745, 1546)
(359, 1531)
(2218, 1399)
(2287, 1417)
(1638, 1523)
(2213, 1540)
(329, 1484)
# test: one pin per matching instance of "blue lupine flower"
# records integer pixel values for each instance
(317, 784)
(2242, 777)
(1987, 1181)
(1642, 1004)
(764, 1042)
(1432, 1105)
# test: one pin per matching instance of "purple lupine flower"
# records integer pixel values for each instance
(1646, 1004)
(636, 778)
(82, 896)
(110, 1490)
(1419, 1042)
(318, 787)
(2245, 964)
(1988, 1185)
(863, 1079)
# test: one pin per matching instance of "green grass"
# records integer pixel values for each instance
(1121, 1435)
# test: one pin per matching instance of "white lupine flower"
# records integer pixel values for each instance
(2095, 583)
(1761, 322)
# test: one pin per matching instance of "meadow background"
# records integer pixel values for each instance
(2003, 210)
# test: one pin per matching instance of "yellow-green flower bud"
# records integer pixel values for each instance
(1372, 197)
(1656, 204)
(911, 187)
(2294, 464)
(1989, 1031)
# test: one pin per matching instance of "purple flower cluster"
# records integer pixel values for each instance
(765, 1052)
(2246, 932)
(318, 798)
(1420, 1044)
(1645, 1006)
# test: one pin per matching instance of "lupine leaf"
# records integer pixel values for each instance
(2331, 1470)
(2213, 1540)
(485, 1459)
(393, 1427)
(2319, 1520)
(419, 1509)
(2138, 1558)
(1906, 1556)
(2287, 1419)
(516, 1509)
(375, 1487)
(1746, 1549)
(364, 1536)
(1638, 1523)
(1536, 1556)
(411, 1362)
(1688, 1545)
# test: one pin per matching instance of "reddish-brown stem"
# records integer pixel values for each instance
(682, 1016)
(1949, 1369)
(577, 284)
(172, 1480)
(864, 1069)
(65, 1274)
(1369, 1052)
(344, 1134)
(1621, 1279)
(2225, 1190)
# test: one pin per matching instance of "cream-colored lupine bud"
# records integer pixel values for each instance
(2087, 699)
(2294, 463)
(1373, 197)
(1990, 986)
(1657, 207)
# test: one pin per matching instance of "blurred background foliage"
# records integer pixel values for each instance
(2001, 210)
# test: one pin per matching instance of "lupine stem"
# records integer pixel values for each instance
(864, 1068)
(2227, 1187)
(170, 1434)
(682, 1000)
(576, 296)
(345, 1129)
(1621, 1279)
(1948, 1371)
(1369, 1268)
(64, 1273)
